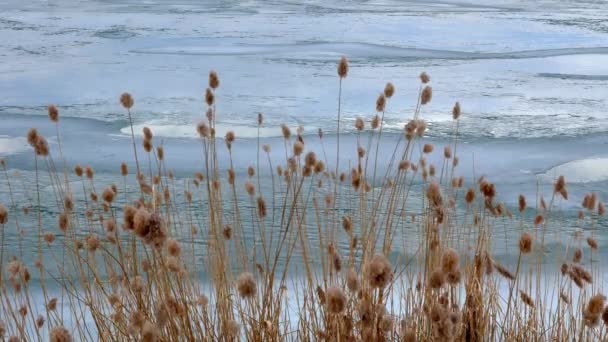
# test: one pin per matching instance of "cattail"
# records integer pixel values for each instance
(126, 100)
(173, 264)
(174, 248)
(298, 148)
(250, 171)
(246, 285)
(52, 304)
(592, 243)
(149, 332)
(310, 159)
(63, 221)
(361, 151)
(147, 133)
(231, 328)
(227, 232)
(375, 122)
(347, 223)
(503, 271)
(379, 271)
(92, 242)
(49, 237)
(595, 306)
(582, 273)
(335, 300)
(560, 185)
(209, 97)
(450, 260)
(343, 67)
(447, 152)
(286, 131)
(578, 255)
(433, 193)
(380, 103)
(89, 172)
(427, 148)
(601, 209)
(160, 152)
(426, 95)
(389, 90)
(32, 136)
(229, 138)
(202, 129)
(454, 277)
(359, 124)
(60, 334)
(527, 299)
(456, 111)
(261, 207)
(53, 113)
(436, 279)
(214, 81)
(41, 146)
(319, 166)
(404, 165)
(352, 280)
(424, 77)
(250, 188)
(3, 214)
(525, 243)
(470, 196)
(539, 219)
(108, 195)
(604, 316)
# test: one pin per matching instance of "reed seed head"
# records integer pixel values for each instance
(352, 280)
(246, 285)
(427, 95)
(525, 243)
(389, 90)
(214, 80)
(53, 113)
(424, 77)
(174, 248)
(427, 148)
(379, 271)
(343, 67)
(359, 124)
(450, 260)
(335, 299)
(285, 131)
(209, 97)
(456, 111)
(375, 122)
(437, 279)
(126, 100)
(3, 214)
(60, 334)
(380, 103)
(250, 188)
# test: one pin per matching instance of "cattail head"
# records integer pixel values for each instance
(89, 172)
(60, 334)
(230, 136)
(108, 194)
(285, 131)
(209, 97)
(126, 100)
(3, 214)
(41, 146)
(424, 77)
(250, 188)
(375, 122)
(310, 159)
(527, 299)
(538, 219)
(380, 103)
(447, 152)
(335, 299)
(456, 111)
(203, 129)
(343, 67)
(63, 221)
(389, 90)
(359, 124)
(522, 203)
(227, 232)
(503, 271)
(379, 271)
(601, 209)
(352, 280)
(246, 285)
(427, 148)
(49, 237)
(261, 203)
(436, 279)
(578, 255)
(214, 81)
(174, 248)
(525, 243)
(426, 95)
(53, 113)
(450, 260)
(595, 306)
(592, 243)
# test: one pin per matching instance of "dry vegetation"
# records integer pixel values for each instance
(129, 265)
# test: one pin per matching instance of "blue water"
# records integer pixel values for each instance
(532, 79)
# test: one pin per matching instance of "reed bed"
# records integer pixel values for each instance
(315, 252)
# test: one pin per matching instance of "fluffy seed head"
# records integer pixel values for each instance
(214, 80)
(285, 131)
(427, 95)
(450, 260)
(389, 90)
(380, 103)
(592, 243)
(526, 299)
(209, 97)
(203, 129)
(352, 280)
(246, 285)
(53, 113)
(335, 299)
(343, 67)
(375, 122)
(126, 100)
(525, 243)
(447, 152)
(436, 279)
(379, 271)
(298, 148)
(595, 306)
(427, 148)
(424, 77)
(60, 334)
(359, 124)
(456, 111)
(250, 188)
(174, 248)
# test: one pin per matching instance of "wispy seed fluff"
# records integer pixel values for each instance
(246, 285)
(380, 103)
(379, 271)
(335, 299)
(60, 334)
(53, 113)
(389, 90)
(424, 77)
(456, 111)
(3, 214)
(525, 243)
(343, 67)
(214, 80)
(126, 100)
(427, 95)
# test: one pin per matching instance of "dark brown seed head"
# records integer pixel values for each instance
(343, 67)
(53, 113)
(126, 100)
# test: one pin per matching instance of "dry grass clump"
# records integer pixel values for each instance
(321, 252)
